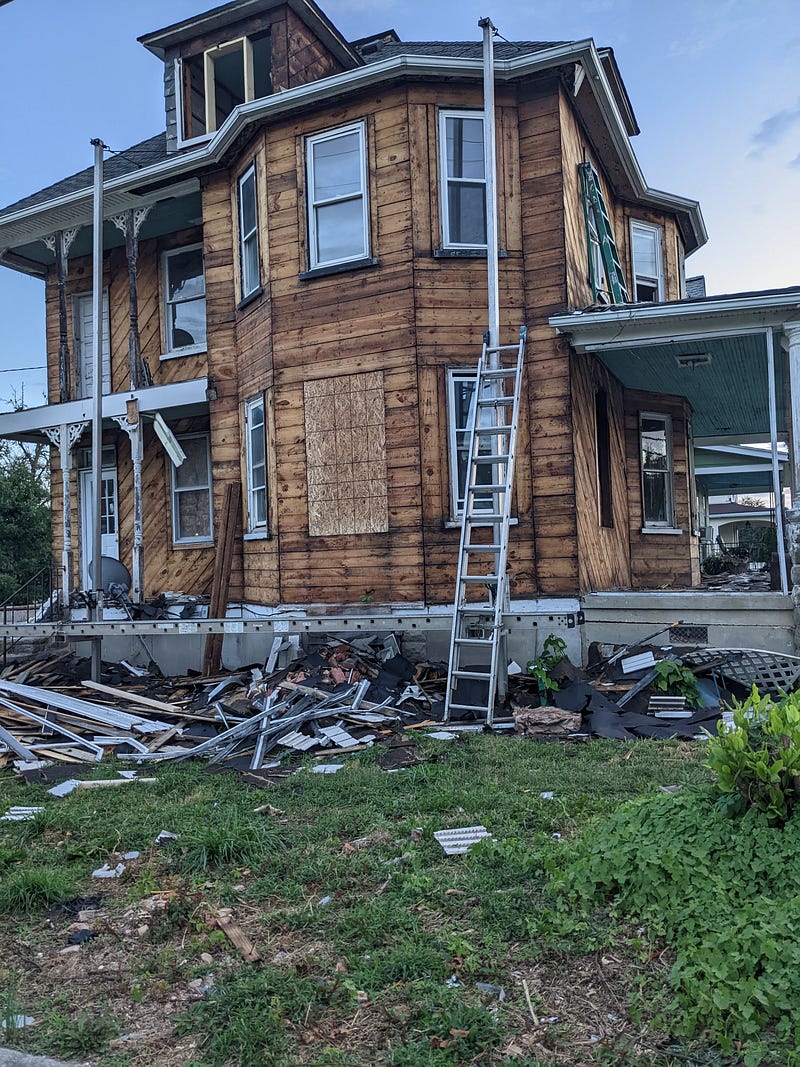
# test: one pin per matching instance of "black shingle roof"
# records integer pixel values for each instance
(143, 154)
(376, 51)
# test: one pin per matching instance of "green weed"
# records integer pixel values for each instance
(29, 889)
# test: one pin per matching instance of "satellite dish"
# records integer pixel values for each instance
(116, 578)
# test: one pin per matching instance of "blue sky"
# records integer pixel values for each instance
(714, 84)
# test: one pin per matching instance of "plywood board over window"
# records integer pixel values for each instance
(345, 421)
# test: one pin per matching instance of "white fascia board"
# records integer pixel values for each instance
(341, 84)
(701, 472)
(155, 398)
(617, 327)
(738, 450)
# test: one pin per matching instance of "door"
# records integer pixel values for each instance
(109, 529)
(84, 345)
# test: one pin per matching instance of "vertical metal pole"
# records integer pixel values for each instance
(490, 164)
(776, 471)
(97, 404)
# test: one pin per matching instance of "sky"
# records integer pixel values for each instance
(715, 86)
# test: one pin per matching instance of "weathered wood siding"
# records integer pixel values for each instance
(661, 561)
(603, 552)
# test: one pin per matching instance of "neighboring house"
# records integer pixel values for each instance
(295, 279)
(742, 525)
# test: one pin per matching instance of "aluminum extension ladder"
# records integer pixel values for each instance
(478, 644)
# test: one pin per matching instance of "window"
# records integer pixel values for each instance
(461, 412)
(648, 262)
(248, 232)
(655, 435)
(463, 179)
(191, 491)
(256, 465)
(603, 444)
(337, 196)
(216, 81)
(184, 301)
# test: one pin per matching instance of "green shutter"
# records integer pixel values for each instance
(615, 291)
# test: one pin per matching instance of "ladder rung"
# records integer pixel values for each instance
(469, 707)
(494, 487)
(482, 548)
(479, 578)
(503, 372)
(477, 642)
(481, 675)
(492, 431)
(495, 400)
(485, 518)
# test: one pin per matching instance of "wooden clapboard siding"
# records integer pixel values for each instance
(660, 561)
(603, 552)
(307, 59)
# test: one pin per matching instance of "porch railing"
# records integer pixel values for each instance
(35, 601)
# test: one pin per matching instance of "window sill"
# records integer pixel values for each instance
(455, 524)
(338, 268)
(250, 298)
(193, 544)
(670, 531)
(256, 535)
(190, 350)
(466, 253)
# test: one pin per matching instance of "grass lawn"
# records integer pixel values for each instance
(375, 947)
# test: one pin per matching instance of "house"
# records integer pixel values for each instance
(294, 300)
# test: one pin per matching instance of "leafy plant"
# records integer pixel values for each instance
(553, 651)
(757, 762)
(676, 680)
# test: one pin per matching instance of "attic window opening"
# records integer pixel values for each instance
(218, 80)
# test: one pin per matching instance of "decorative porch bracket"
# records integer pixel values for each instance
(65, 437)
(59, 244)
(129, 224)
(131, 423)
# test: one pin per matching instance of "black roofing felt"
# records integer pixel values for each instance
(143, 154)
(453, 49)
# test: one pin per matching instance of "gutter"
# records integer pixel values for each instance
(736, 303)
(362, 78)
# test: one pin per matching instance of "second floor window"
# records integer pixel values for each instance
(648, 261)
(337, 196)
(248, 232)
(184, 301)
(463, 179)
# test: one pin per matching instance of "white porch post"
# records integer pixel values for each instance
(132, 425)
(776, 470)
(65, 438)
(791, 331)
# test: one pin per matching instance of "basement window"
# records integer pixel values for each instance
(218, 80)
(463, 179)
(648, 261)
(191, 492)
(655, 437)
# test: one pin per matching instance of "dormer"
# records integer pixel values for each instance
(243, 51)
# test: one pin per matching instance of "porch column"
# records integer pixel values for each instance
(65, 437)
(59, 244)
(131, 423)
(130, 223)
(791, 331)
(776, 471)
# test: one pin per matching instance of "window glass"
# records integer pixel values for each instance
(461, 406)
(463, 180)
(248, 233)
(191, 491)
(656, 457)
(256, 464)
(185, 299)
(337, 197)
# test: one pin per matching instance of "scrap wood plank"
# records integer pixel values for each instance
(235, 934)
(223, 563)
(133, 698)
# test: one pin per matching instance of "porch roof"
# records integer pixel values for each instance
(177, 399)
(713, 351)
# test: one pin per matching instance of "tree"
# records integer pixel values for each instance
(25, 543)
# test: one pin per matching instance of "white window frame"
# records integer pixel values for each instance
(648, 229)
(445, 180)
(177, 490)
(456, 375)
(314, 204)
(184, 350)
(657, 525)
(249, 237)
(254, 484)
(209, 58)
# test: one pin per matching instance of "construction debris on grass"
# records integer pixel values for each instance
(339, 699)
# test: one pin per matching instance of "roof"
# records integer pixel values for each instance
(452, 49)
(143, 154)
(731, 507)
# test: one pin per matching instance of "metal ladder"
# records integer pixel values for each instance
(478, 632)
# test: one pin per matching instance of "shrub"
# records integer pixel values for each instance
(757, 762)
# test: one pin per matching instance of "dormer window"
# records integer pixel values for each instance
(218, 80)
